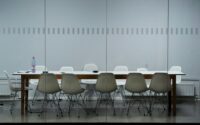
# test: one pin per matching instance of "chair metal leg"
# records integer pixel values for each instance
(70, 101)
(52, 102)
(113, 103)
(157, 99)
(54, 99)
(150, 103)
(107, 98)
(98, 103)
(13, 102)
(140, 103)
(35, 96)
(29, 108)
(122, 94)
(128, 108)
(43, 105)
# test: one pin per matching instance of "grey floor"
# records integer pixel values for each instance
(188, 111)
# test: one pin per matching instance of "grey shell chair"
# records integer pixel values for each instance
(38, 68)
(48, 85)
(160, 83)
(159, 87)
(70, 84)
(71, 87)
(136, 84)
(106, 84)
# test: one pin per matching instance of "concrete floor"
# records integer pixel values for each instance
(188, 111)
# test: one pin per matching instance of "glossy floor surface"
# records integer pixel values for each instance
(188, 111)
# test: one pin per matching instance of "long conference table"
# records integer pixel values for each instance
(28, 75)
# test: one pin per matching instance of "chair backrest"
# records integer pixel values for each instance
(48, 83)
(160, 82)
(121, 68)
(106, 83)
(90, 67)
(70, 83)
(8, 78)
(40, 68)
(142, 69)
(66, 68)
(135, 83)
(176, 68)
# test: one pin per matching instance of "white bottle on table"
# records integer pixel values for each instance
(33, 63)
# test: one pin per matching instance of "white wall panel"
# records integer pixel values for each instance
(137, 36)
(184, 44)
(21, 36)
(81, 39)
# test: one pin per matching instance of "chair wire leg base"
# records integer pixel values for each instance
(52, 102)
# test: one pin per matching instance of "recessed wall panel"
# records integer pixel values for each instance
(184, 37)
(76, 33)
(137, 34)
(21, 36)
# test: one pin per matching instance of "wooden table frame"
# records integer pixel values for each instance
(25, 77)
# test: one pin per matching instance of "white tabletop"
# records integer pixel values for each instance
(92, 73)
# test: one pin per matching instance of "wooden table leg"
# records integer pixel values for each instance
(22, 94)
(174, 94)
(169, 103)
(26, 97)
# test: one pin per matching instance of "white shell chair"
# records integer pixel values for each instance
(89, 83)
(89, 67)
(142, 69)
(121, 82)
(66, 69)
(178, 77)
(15, 88)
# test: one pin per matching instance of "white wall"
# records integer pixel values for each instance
(76, 34)
(184, 41)
(80, 43)
(137, 43)
(20, 39)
